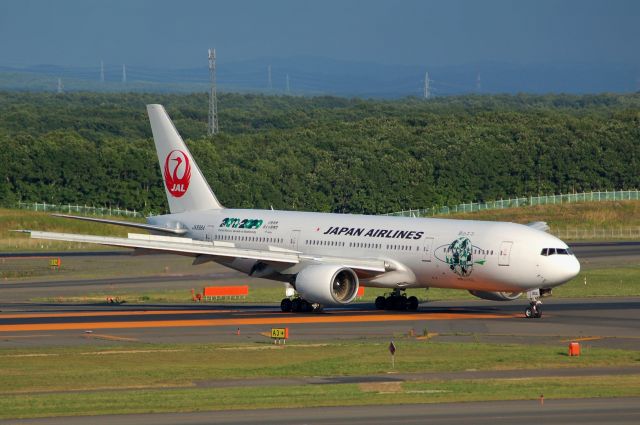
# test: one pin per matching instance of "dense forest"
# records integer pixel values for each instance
(322, 153)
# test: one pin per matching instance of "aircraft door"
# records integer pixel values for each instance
(427, 249)
(505, 253)
(295, 234)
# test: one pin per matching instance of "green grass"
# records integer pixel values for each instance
(11, 219)
(189, 400)
(136, 378)
(610, 214)
(180, 365)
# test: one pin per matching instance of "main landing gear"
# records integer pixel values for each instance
(397, 300)
(534, 311)
(299, 305)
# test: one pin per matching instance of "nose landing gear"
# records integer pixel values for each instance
(535, 305)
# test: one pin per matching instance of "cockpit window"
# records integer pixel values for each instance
(553, 251)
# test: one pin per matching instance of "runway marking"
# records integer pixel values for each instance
(109, 313)
(26, 336)
(110, 337)
(590, 338)
(280, 319)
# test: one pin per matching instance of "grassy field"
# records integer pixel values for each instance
(143, 378)
(609, 214)
(602, 215)
(24, 219)
(206, 399)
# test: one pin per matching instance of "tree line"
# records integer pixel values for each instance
(322, 153)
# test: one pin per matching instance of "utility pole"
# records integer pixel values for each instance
(287, 89)
(213, 100)
(426, 86)
(269, 85)
(124, 74)
(101, 71)
(60, 86)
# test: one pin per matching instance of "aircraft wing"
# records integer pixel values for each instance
(191, 247)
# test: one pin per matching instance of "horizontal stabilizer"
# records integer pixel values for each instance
(151, 227)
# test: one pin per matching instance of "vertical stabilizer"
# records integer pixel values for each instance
(184, 184)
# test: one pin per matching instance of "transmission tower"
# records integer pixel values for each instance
(427, 91)
(101, 71)
(287, 89)
(213, 100)
(478, 84)
(269, 84)
(60, 86)
(124, 74)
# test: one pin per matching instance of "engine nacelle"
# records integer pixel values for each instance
(496, 296)
(327, 284)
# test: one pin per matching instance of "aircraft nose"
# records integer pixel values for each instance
(572, 269)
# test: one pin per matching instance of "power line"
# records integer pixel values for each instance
(213, 101)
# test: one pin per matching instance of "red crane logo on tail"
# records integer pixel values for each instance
(177, 173)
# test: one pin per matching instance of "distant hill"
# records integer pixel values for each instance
(318, 76)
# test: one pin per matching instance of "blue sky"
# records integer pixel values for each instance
(177, 34)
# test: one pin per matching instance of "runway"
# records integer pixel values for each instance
(609, 322)
(622, 411)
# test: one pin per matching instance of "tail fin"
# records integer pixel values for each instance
(186, 188)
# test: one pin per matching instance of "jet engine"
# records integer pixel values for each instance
(496, 296)
(327, 284)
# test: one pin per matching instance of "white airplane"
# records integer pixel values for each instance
(324, 258)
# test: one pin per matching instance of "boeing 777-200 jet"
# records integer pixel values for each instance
(326, 257)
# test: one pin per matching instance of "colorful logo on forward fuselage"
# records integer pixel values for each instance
(177, 173)
(459, 255)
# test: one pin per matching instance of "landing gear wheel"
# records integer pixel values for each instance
(286, 305)
(296, 305)
(412, 303)
(533, 311)
(380, 302)
(538, 312)
(402, 303)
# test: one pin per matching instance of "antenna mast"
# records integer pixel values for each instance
(213, 100)
(427, 91)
